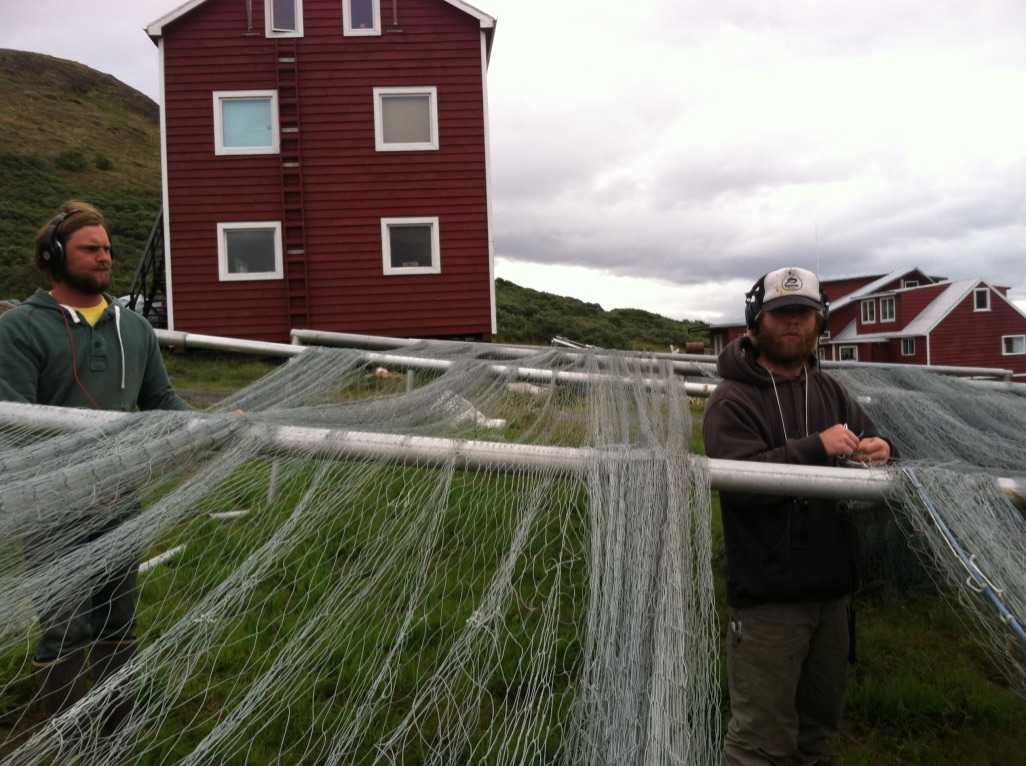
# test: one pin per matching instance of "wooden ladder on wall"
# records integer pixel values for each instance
(293, 229)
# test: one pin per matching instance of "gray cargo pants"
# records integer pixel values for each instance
(787, 667)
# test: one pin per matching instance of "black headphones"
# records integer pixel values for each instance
(53, 249)
(755, 297)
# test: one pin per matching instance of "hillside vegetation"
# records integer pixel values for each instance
(531, 316)
(69, 131)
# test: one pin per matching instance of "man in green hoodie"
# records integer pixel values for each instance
(74, 346)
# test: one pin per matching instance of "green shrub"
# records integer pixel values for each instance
(72, 160)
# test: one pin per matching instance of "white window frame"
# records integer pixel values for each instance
(268, 32)
(854, 350)
(347, 20)
(222, 252)
(220, 96)
(887, 301)
(386, 247)
(910, 283)
(908, 346)
(985, 291)
(871, 319)
(1012, 353)
(379, 126)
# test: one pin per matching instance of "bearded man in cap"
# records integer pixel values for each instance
(791, 564)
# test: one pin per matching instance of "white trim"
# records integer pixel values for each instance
(928, 361)
(420, 146)
(169, 303)
(909, 283)
(386, 247)
(220, 96)
(908, 343)
(222, 251)
(156, 28)
(894, 313)
(1013, 353)
(271, 33)
(347, 20)
(871, 302)
(488, 183)
(840, 353)
(986, 291)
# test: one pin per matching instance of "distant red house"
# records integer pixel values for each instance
(909, 317)
(325, 165)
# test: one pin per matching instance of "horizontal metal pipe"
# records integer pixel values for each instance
(352, 340)
(185, 340)
(726, 475)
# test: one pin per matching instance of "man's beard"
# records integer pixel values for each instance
(786, 349)
(90, 283)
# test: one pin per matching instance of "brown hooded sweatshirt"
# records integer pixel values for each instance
(781, 549)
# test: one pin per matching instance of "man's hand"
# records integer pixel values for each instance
(838, 441)
(873, 451)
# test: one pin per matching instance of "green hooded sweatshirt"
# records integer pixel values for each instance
(45, 346)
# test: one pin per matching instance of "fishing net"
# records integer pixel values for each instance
(453, 567)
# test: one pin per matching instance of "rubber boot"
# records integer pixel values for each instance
(107, 658)
(59, 684)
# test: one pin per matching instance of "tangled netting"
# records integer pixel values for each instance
(956, 437)
(305, 600)
(451, 566)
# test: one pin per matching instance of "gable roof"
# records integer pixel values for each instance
(927, 319)
(872, 287)
(156, 29)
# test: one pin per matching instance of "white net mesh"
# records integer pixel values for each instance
(314, 605)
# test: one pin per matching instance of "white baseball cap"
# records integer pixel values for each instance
(791, 286)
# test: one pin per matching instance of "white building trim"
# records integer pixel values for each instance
(488, 184)
(169, 302)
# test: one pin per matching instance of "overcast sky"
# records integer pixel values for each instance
(663, 154)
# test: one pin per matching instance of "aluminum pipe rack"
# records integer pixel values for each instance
(873, 484)
(185, 340)
(503, 351)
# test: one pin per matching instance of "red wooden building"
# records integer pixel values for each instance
(910, 317)
(325, 165)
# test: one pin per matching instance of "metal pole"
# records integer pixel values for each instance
(873, 484)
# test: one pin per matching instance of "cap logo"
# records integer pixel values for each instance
(792, 283)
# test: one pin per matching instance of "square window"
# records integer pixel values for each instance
(249, 251)
(361, 17)
(1013, 344)
(849, 353)
(887, 309)
(405, 119)
(246, 122)
(283, 18)
(981, 299)
(868, 312)
(908, 346)
(410, 246)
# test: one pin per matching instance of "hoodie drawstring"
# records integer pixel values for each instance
(780, 410)
(121, 345)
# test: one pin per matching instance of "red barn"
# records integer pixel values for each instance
(325, 165)
(909, 317)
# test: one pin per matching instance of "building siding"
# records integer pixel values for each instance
(973, 339)
(348, 185)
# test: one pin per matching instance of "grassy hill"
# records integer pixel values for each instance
(69, 131)
(531, 316)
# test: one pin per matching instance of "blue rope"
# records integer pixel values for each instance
(977, 581)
